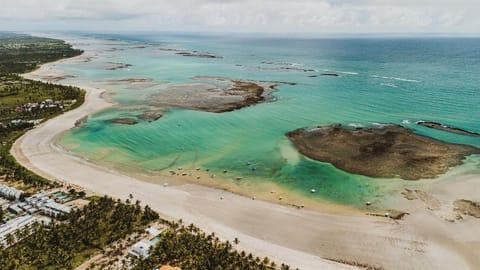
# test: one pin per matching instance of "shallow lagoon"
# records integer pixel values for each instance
(381, 81)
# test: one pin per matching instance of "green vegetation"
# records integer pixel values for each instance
(189, 248)
(23, 53)
(84, 232)
(24, 103)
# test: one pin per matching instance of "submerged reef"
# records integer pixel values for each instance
(390, 151)
(215, 95)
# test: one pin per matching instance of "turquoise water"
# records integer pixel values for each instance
(382, 81)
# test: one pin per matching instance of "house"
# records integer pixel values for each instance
(10, 192)
(54, 209)
(153, 232)
(14, 208)
(42, 202)
(141, 249)
(15, 225)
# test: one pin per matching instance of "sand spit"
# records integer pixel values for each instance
(388, 152)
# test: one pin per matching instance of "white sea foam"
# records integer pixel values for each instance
(348, 72)
(389, 85)
(379, 125)
(396, 78)
(405, 80)
(355, 125)
(406, 121)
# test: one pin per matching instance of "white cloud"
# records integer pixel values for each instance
(321, 16)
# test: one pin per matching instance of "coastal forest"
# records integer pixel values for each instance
(190, 248)
(25, 103)
(83, 233)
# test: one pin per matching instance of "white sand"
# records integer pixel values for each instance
(301, 238)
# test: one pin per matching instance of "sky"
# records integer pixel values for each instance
(244, 16)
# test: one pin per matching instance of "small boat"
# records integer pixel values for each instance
(313, 190)
(225, 171)
(239, 178)
(254, 169)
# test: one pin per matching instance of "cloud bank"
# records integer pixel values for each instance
(271, 16)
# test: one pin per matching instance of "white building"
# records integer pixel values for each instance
(15, 209)
(153, 232)
(10, 193)
(14, 225)
(46, 205)
(141, 249)
(55, 209)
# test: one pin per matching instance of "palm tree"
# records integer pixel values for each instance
(9, 239)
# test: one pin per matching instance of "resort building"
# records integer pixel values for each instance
(15, 209)
(15, 225)
(54, 209)
(41, 202)
(10, 193)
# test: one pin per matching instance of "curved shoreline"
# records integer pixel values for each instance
(301, 238)
(37, 151)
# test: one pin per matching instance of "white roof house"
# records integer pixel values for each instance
(153, 231)
(54, 209)
(141, 249)
(14, 208)
(41, 201)
(14, 225)
(9, 192)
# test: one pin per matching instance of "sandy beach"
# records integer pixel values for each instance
(303, 238)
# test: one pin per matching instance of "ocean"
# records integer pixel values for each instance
(381, 81)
